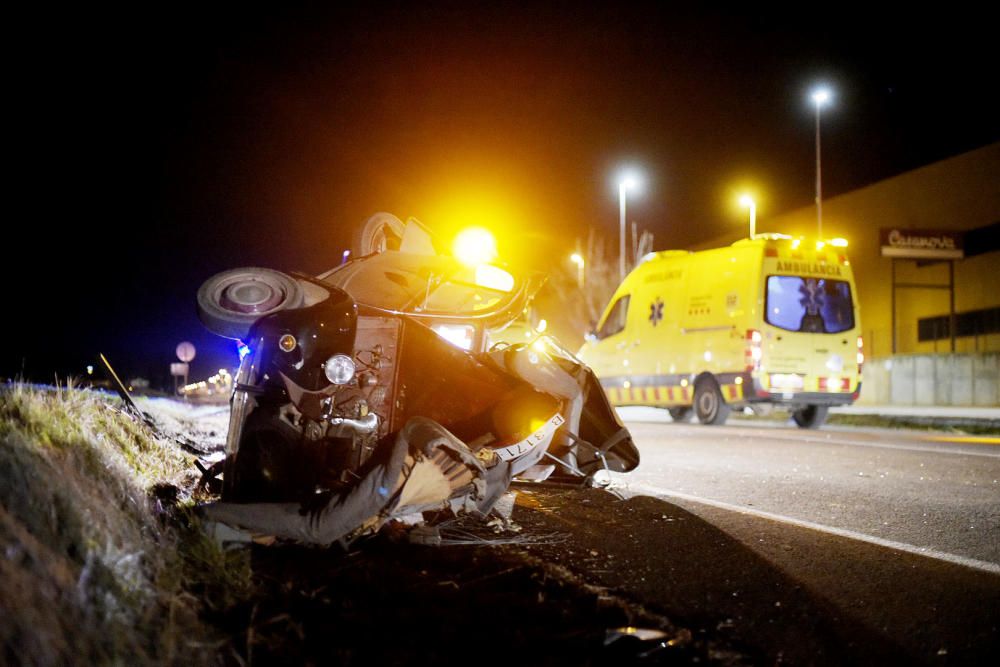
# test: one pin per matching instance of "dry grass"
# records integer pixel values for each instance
(93, 569)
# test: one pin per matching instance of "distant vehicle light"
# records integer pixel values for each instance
(838, 242)
(339, 369)
(460, 335)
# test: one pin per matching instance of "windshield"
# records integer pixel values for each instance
(430, 284)
(811, 305)
(615, 321)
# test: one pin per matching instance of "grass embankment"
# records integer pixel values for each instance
(954, 426)
(95, 568)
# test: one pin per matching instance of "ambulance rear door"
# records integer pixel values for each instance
(811, 330)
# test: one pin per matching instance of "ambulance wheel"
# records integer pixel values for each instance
(709, 405)
(680, 413)
(811, 416)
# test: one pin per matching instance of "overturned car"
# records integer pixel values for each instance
(383, 389)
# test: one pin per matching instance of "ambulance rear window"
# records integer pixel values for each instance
(810, 305)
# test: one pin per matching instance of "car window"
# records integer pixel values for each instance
(810, 305)
(615, 320)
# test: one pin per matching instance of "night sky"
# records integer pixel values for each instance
(157, 146)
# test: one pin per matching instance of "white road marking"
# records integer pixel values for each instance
(644, 487)
(827, 440)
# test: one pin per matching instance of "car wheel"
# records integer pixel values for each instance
(709, 404)
(230, 302)
(680, 413)
(811, 416)
(381, 232)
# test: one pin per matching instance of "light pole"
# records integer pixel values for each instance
(820, 97)
(627, 181)
(577, 259)
(747, 200)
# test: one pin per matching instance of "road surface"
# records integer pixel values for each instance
(820, 546)
(931, 493)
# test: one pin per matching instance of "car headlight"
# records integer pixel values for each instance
(339, 369)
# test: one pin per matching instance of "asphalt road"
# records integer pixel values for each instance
(895, 534)
(935, 494)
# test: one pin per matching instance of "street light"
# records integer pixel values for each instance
(747, 200)
(628, 180)
(577, 259)
(820, 96)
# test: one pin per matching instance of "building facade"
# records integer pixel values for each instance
(910, 306)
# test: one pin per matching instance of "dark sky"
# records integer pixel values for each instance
(157, 146)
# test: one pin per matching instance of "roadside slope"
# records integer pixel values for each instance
(91, 572)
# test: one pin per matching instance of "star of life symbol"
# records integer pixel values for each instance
(656, 311)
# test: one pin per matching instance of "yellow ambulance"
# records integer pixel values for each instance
(768, 321)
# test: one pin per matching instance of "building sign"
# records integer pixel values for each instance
(921, 243)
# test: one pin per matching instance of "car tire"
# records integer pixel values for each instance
(230, 302)
(810, 416)
(709, 405)
(680, 413)
(381, 232)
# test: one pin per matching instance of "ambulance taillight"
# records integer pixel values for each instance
(753, 353)
(861, 354)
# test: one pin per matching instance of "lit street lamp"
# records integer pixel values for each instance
(577, 259)
(820, 97)
(628, 180)
(747, 200)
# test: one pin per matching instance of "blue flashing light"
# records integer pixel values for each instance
(242, 348)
